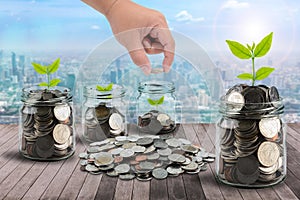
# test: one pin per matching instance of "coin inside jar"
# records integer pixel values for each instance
(268, 153)
(62, 112)
(61, 133)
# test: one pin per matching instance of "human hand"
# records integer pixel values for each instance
(140, 30)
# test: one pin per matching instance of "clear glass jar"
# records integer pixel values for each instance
(156, 107)
(251, 144)
(46, 123)
(103, 113)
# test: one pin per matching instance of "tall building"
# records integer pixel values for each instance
(22, 64)
(14, 64)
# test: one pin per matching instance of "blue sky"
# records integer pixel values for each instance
(70, 24)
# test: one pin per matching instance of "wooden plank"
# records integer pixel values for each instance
(106, 188)
(293, 183)
(63, 175)
(7, 132)
(249, 194)
(193, 187)
(268, 193)
(176, 188)
(123, 190)
(9, 154)
(158, 189)
(284, 192)
(27, 180)
(74, 184)
(5, 146)
(39, 186)
(10, 181)
(90, 187)
(10, 166)
(141, 190)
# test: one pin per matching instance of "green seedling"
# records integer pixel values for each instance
(50, 69)
(104, 89)
(157, 102)
(252, 52)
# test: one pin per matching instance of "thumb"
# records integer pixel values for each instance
(140, 58)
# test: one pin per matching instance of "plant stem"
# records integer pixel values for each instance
(48, 77)
(253, 71)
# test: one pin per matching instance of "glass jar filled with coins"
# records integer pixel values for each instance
(156, 107)
(46, 124)
(250, 140)
(104, 113)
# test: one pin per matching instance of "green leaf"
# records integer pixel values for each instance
(100, 88)
(161, 100)
(249, 47)
(54, 66)
(239, 50)
(54, 82)
(43, 84)
(39, 68)
(245, 76)
(263, 46)
(151, 102)
(253, 46)
(109, 87)
(263, 73)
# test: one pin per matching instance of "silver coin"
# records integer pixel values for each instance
(145, 165)
(61, 133)
(145, 141)
(176, 158)
(160, 173)
(189, 148)
(269, 127)
(153, 156)
(126, 176)
(126, 153)
(161, 144)
(162, 118)
(157, 70)
(184, 141)
(116, 151)
(164, 152)
(105, 167)
(268, 153)
(103, 158)
(122, 168)
(237, 100)
(138, 149)
(190, 167)
(175, 170)
(128, 145)
(121, 138)
(62, 112)
(116, 121)
(112, 173)
(83, 155)
(83, 162)
(150, 149)
(91, 168)
(173, 142)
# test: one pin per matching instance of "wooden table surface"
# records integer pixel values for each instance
(21, 178)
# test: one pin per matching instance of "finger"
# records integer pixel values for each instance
(140, 58)
(152, 48)
(168, 60)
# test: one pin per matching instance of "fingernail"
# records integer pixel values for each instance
(146, 69)
(166, 68)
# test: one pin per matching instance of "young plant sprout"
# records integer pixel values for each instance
(252, 52)
(50, 69)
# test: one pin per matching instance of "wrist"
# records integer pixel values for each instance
(103, 6)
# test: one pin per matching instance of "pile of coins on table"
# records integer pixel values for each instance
(155, 122)
(251, 136)
(144, 157)
(102, 122)
(46, 128)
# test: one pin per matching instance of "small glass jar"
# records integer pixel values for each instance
(103, 113)
(156, 107)
(251, 144)
(46, 124)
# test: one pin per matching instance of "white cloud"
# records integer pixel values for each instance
(184, 16)
(235, 4)
(95, 27)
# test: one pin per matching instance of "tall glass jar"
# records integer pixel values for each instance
(251, 143)
(104, 113)
(46, 123)
(156, 107)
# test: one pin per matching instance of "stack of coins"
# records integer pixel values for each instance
(144, 157)
(251, 136)
(46, 128)
(102, 122)
(155, 122)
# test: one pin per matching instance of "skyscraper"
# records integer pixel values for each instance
(14, 64)
(22, 64)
